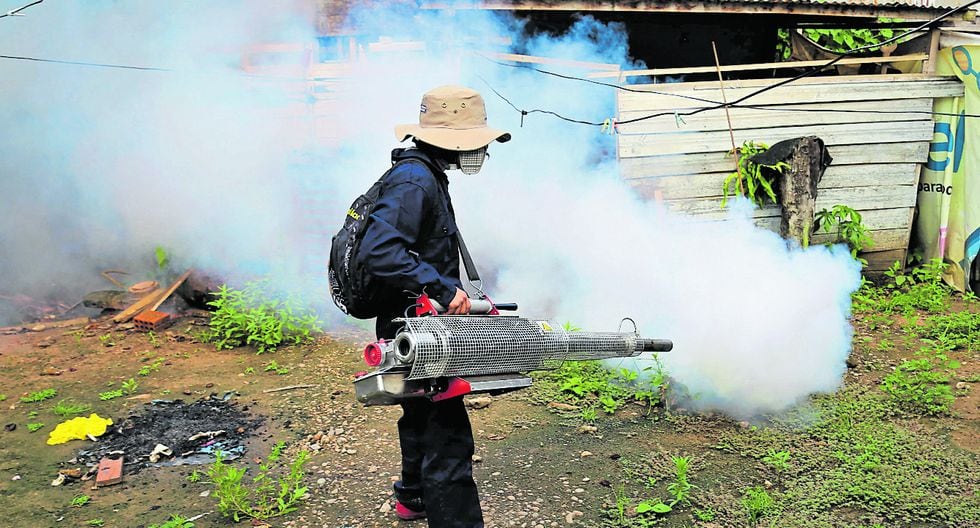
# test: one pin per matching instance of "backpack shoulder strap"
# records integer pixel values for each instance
(471, 273)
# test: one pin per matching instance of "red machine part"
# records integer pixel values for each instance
(457, 387)
(373, 354)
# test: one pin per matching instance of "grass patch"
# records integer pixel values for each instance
(68, 407)
(849, 454)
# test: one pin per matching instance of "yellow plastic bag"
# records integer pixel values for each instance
(79, 429)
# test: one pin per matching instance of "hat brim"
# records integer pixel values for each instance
(452, 138)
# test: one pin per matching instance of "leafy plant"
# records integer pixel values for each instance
(843, 40)
(154, 340)
(252, 316)
(69, 407)
(194, 477)
(163, 259)
(249, 370)
(757, 180)
(32, 414)
(106, 340)
(266, 496)
(705, 514)
(146, 370)
(757, 503)
(39, 396)
(79, 500)
(848, 226)
(571, 327)
(777, 459)
(95, 522)
(680, 488)
(175, 521)
(32, 427)
(273, 366)
(654, 506)
(589, 414)
(130, 385)
(3, 397)
(110, 395)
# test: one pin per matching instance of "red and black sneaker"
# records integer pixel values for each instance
(407, 514)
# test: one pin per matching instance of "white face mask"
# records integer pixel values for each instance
(471, 161)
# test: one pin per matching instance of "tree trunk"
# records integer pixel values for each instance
(798, 188)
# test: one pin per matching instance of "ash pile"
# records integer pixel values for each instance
(172, 432)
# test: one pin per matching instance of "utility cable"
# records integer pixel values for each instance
(15, 12)
(736, 102)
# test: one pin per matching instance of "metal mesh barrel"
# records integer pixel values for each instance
(473, 345)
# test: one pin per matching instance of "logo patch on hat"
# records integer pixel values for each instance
(423, 109)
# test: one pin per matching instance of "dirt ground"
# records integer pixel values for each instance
(536, 468)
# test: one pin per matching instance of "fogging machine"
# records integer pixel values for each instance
(443, 356)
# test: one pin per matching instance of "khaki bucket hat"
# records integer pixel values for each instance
(453, 118)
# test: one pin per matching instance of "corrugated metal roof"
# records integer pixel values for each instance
(922, 4)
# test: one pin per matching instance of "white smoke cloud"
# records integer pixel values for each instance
(102, 165)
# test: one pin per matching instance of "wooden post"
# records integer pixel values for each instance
(929, 66)
(798, 189)
(728, 117)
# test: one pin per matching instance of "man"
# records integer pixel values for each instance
(410, 247)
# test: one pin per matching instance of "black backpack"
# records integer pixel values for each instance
(350, 286)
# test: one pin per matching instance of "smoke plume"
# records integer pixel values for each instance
(248, 176)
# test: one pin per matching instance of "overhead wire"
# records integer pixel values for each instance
(737, 102)
(15, 12)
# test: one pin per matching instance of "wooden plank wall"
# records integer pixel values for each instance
(877, 155)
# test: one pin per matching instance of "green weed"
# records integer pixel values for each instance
(175, 521)
(252, 316)
(266, 496)
(95, 522)
(272, 366)
(68, 407)
(757, 503)
(107, 340)
(777, 459)
(110, 395)
(848, 227)
(39, 396)
(3, 397)
(593, 386)
(680, 488)
(916, 386)
(32, 427)
(79, 500)
(130, 385)
(705, 514)
(757, 180)
(154, 340)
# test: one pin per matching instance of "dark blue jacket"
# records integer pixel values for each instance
(410, 239)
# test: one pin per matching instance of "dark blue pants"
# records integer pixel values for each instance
(437, 458)
(437, 463)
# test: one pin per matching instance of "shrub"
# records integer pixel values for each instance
(266, 496)
(251, 316)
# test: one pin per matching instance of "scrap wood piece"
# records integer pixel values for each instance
(173, 287)
(291, 387)
(138, 306)
(107, 275)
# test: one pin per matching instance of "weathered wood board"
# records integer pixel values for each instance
(878, 150)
